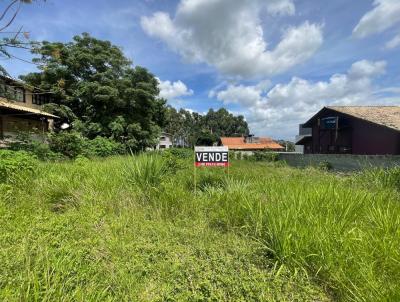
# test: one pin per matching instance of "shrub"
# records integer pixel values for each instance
(71, 144)
(182, 153)
(325, 166)
(25, 142)
(102, 147)
(173, 163)
(14, 164)
(265, 156)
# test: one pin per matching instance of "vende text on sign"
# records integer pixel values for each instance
(211, 156)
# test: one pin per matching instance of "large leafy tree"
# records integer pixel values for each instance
(99, 92)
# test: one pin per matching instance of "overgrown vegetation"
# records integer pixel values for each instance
(132, 229)
(66, 145)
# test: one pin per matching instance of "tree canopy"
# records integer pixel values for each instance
(99, 92)
(196, 129)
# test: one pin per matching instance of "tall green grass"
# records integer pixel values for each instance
(133, 229)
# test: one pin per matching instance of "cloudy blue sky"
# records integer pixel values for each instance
(275, 61)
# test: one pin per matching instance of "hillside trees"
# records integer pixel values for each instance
(99, 92)
(197, 129)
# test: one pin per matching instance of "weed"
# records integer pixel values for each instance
(268, 232)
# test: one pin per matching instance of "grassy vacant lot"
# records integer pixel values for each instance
(132, 229)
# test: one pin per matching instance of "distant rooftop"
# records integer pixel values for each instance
(257, 143)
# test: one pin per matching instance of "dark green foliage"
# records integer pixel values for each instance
(70, 144)
(102, 147)
(67, 144)
(99, 93)
(196, 129)
(182, 153)
(176, 159)
(288, 145)
(65, 114)
(325, 166)
(24, 142)
(172, 162)
(14, 164)
(206, 138)
(265, 156)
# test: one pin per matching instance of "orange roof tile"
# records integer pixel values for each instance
(239, 143)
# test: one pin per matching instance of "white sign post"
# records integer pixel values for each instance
(210, 157)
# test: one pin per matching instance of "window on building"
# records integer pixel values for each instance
(3, 90)
(12, 93)
(162, 138)
(19, 95)
(162, 146)
(41, 99)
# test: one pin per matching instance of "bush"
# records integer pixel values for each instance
(14, 164)
(41, 150)
(102, 147)
(182, 153)
(71, 144)
(325, 166)
(173, 163)
(265, 156)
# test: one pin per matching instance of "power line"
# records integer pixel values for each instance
(30, 86)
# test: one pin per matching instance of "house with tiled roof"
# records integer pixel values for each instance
(21, 110)
(362, 130)
(250, 143)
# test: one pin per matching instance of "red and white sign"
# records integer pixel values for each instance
(211, 156)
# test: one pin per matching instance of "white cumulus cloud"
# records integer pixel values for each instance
(395, 42)
(172, 90)
(277, 111)
(228, 34)
(384, 15)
